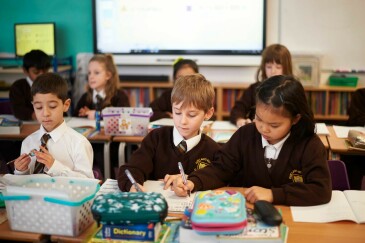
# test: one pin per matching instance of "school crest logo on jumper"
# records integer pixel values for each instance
(201, 163)
(296, 176)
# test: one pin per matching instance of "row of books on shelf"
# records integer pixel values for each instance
(139, 97)
(229, 98)
(337, 102)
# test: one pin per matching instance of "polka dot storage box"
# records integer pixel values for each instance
(126, 121)
(51, 205)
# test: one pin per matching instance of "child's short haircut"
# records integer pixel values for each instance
(193, 90)
(50, 83)
(182, 63)
(37, 59)
(284, 91)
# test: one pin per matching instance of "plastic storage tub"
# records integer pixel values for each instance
(126, 121)
(55, 205)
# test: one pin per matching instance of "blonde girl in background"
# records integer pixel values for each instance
(102, 89)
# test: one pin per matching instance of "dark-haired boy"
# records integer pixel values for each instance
(54, 149)
(35, 63)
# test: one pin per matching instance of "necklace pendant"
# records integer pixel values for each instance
(269, 166)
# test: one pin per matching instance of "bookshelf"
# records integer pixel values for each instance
(329, 103)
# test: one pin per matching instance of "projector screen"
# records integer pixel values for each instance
(31, 36)
(156, 32)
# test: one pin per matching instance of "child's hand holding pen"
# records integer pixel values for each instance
(182, 189)
(22, 162)
(183, 185)
(135, 186)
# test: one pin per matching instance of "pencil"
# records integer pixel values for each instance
(31, 154)
(11, 161)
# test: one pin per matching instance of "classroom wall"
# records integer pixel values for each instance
(329, 28)
(73, 23)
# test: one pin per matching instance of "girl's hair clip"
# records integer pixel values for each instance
(177, 60)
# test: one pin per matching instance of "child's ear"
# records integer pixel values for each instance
(209, 114)
(296, 119)
(25, 71)
(108, 75)
(66, 105)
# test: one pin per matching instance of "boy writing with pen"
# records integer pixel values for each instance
(192, 100)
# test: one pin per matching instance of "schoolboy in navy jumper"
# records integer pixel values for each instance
(35, 63)
(192, 101)
(279, 157)
(162, 106)
(58, 149)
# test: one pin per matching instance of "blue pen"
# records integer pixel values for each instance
(183, 175)
(133, 181)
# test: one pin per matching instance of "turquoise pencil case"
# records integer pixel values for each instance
(219, 212)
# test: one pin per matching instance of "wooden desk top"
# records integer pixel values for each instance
(339, 145)
(128, 139)
(324, 140)
(336, 232)
(25, 130)
(28, 129)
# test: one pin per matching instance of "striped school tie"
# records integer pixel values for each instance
(182, 147)
(39, 167)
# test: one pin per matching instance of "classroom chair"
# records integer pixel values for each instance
(340, 180)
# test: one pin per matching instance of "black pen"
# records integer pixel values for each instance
(133, 181)
(183, 175)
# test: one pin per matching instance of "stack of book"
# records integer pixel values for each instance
(9, 126)
(128, 233)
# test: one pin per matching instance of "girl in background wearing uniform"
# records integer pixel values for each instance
(102, 90)
(276, 60)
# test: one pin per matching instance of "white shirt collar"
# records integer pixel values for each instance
(191, 143)
(56, 133)
(277, 146)
(29, 81)
(101, 93)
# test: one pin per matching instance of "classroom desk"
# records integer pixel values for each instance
(101, 137)
(324, 140)
(339, 145)
(123, 140)
(28, 129)
(336, 232)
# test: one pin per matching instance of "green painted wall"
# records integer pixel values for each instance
(73, 18)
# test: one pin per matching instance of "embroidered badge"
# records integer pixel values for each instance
(201, 163)
(296, 176)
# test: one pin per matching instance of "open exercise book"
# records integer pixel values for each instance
(175, 203)
(346, 205)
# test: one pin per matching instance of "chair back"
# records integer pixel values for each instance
(340, 180)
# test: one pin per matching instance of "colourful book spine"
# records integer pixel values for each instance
(136, 232)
